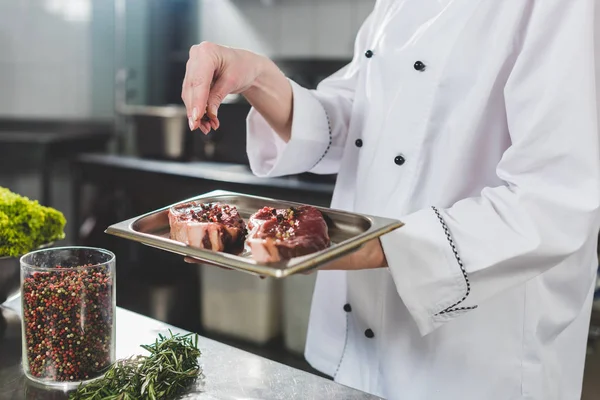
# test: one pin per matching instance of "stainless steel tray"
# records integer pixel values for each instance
(348, 232)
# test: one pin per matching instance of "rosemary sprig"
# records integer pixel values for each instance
(169, 370)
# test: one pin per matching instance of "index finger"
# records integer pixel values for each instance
(199, 81)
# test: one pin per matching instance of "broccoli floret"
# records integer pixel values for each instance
(25, 224)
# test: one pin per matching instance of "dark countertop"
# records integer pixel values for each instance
(230, 373)
(54, 124)
(15, 137)
(44, 146)
(211, 171)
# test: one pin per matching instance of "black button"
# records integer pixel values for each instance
(369, 333)
(399, 160)
(419, 66)
(368, 54)
(358, 143)
(347, 307)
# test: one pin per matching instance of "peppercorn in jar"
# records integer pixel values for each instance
(68, 299)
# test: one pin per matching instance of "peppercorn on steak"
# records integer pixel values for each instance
(281, 234)
(210, 226)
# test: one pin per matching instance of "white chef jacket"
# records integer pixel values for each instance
(474, 122)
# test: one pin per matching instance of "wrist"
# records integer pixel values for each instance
(376, 256)
(270, 93)
(266, 74)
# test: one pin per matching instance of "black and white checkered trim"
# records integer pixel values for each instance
(453, 307)
(330, 141)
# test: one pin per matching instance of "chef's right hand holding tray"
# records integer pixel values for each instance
(474, 123)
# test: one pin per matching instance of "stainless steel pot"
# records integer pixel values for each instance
(162, 131)
(157, 132)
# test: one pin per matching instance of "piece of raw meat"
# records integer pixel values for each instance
(282, 234)
(212, 226)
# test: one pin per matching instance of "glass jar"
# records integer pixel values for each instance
(68, 299)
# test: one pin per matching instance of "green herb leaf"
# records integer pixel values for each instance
(168, 371)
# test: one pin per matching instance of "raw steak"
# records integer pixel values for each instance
(281, 234)
(215, 226)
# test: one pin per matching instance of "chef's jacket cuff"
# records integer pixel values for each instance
(425, 271)
(270, 156)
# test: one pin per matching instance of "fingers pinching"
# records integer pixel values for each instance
(221, 88)
(200, 74)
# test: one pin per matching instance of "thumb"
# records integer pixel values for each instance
(221, 88)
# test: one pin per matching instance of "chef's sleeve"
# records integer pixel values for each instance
(319, 124)
(447, 261)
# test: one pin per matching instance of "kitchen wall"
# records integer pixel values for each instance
(45, 58)
(285, 28)
(57, 57)
(597, 25)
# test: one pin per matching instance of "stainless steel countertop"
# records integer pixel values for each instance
(230, 373)
(206, 170)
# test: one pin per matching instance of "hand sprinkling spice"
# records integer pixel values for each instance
(168, 371)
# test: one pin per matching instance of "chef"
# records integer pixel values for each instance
(474, 122)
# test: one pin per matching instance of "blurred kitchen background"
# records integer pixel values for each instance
(91, 122)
